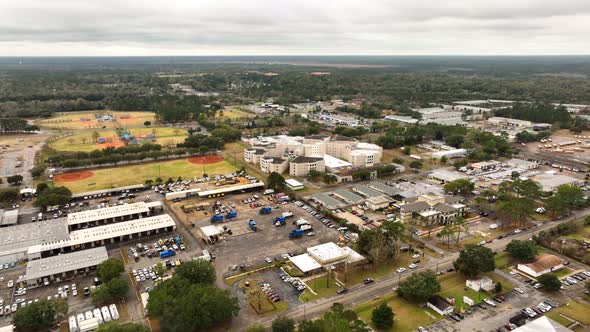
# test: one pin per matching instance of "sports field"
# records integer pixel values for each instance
(137, 174)
(85, 142)
(88, 120)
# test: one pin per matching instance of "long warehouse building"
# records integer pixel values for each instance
(103, 235)
(112, 214)
(63, 267)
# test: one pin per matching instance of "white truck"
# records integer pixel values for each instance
(301, 222)
(106, 315)
(287, 214)
(306, 228)
(114, 311)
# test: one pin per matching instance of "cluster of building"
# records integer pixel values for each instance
(62, 248)
(300, 155)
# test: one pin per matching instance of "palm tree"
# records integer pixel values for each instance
(460, 225)
(447, 232)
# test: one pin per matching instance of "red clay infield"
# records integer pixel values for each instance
(205, 160)
(108, 145)
(74, 176)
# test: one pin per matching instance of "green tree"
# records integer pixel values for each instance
(407, 150)
(110, 269)
(498, 287)
(40, 316)
(459, 186)
(382, 317)
(550, 282)
(523, 250)
(416, 164)
(337, 319)
(397, 160)
(275, 181)
(176, 302)
(314, 175)
(515, 210)
(147, 123)
(474, 260)
(127, 327)
(256, 328)
(8, 195)
(197, 272)
(283, 324)
(419, 286)
(53, 196)
(14, 179)
(110, 291)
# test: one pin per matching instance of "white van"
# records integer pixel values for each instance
(106, 315)
(73, 324)
(98, 316)
(493, 226)
(114, 311)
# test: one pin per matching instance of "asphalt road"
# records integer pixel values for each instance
(362, 293)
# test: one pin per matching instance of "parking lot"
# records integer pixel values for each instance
(269, 241)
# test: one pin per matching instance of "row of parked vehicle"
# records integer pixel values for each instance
(575, 278)
(270, 293)
(316, 214)
(297, 284)
(530, 312)
(92, 319)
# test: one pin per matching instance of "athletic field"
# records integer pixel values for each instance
(119, 176)
(88, 120)
(85, 141)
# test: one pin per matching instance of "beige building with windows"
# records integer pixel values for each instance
(301, 166)
(431, 208)
(272, 164)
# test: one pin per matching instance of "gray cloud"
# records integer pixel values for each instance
(158, 27)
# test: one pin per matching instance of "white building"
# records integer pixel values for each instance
(509, 123)
(301, 166)
(443, 176)
(293, 184)
(456, 153)
(273, 164)
(401, 119)
(522, 164)
(542, 265)
(484, 283)
(550, 182)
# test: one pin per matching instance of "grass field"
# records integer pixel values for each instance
(408, 316)
(574, 310)
(453, 285)
(72, 120)
(582, 235)
(84, 141)
(320, 286)
(137, 174)
(232, 113)
(502, 259)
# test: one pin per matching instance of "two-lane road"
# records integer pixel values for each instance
(362, 293)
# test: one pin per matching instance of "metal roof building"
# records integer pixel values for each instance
(347, 196)
(102, 235)
(366, 191)
(8, 218)
(63, 265)
(328, 201)
(382, 187)
(15, 243)
(110, 214)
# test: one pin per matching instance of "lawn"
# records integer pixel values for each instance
(319, 285)
(574, 310)
(232, 113)
(137, 174)
(453, 285)
(566, 271)
(84, 141)
(408, 315)
(403, 260)
(582, 235)
(87, 120)
(502, 259)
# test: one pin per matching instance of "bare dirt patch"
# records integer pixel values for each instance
(205, 160)
(74, 176)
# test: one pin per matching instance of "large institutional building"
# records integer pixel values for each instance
(316, 152)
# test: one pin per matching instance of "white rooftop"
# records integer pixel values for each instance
(65, 262)
(305, 263)
(293, 183)
(327, 253)
(105, 232)
(333, 162)
(210, 230)
(106, 213)
(542, 324)
(21, 237)
(447, 175)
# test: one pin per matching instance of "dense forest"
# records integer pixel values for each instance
(42, 86)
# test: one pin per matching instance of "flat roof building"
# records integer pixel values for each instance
(15, 243)
(550, 182)
(64, 266)
(366, 191)
(377, 203)
(384, 188)
(293, 184)
(8, 218)
(347, 196)
(305, 263)
(328, 201)
(101, 235)
(210, 234)
(112, 214)
(445, 175)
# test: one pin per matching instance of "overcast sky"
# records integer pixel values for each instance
(294, 27)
